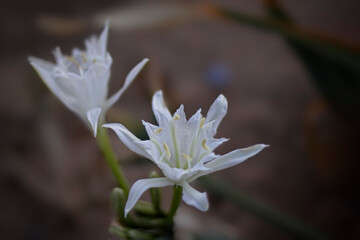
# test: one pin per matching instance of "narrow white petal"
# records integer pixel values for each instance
(235, 157)
(59, 58)
(217, 111)
(213, 143)
(103, 39)
(196, 117)
(129, 139)
(161, 112)
(230, 159)
(44, 69)
(195, 198)
(93, 117)
(140, 187)
(150, 128)
(180, 113)
(129, 79)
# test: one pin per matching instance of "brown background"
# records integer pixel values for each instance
(54, 183)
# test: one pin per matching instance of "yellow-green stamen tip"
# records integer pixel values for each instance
(203, 144)
(83, 57)
(72, 59)
(187, 157)
(158, 131)
(202, 122)
(168, 153)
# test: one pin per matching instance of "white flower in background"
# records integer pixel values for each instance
(182, 149)
(81, 81)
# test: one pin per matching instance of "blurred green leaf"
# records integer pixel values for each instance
(333, 64)
(338, 81)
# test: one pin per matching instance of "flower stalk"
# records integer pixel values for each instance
(105, 145)
(177, 192)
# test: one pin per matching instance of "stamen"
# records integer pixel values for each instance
(203, 144)
(168, 153)
(202, 122)
(72, 59)
(177, 117)
(158, 131)
(83, 57)
(187, 157)
(94, 61)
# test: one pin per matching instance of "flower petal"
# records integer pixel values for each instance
(140, 187)
(150, 128)
(93, 117)
(129, 79)
(161, 112)
(44, 68)
(235, 157)
(230, 159)
(180, 113)
(213, 143)
(102, 42)
(177, 175)
(195, 198)
(129, 139)
(217, 112)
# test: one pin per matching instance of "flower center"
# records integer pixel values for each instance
(181, 148)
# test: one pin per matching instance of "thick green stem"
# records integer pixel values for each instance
(177, 192)
(105, 145)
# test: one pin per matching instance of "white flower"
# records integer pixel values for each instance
(182, 149)
(81, 81)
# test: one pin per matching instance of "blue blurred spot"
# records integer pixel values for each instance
(218, 75)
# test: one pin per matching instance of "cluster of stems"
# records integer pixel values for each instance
(148, 221)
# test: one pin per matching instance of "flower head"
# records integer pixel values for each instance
(182, 149)
(80, 81)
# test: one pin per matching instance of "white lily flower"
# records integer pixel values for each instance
(182, 149)
(81, 81)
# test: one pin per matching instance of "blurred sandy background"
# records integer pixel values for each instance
(54, 183)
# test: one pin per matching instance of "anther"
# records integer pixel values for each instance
(203, 144)
(94, 61)
(168, 153)
(72, 59)
(187, 157)
(83, 57)
(158, 131)
(177, 117)
(202, 122)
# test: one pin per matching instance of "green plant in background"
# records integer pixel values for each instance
(333, 64)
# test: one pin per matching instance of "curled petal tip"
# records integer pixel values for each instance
(93, 118)
(264, 145)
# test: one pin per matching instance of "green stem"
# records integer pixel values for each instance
(290, 225)
(105, 145)
(177, 192)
